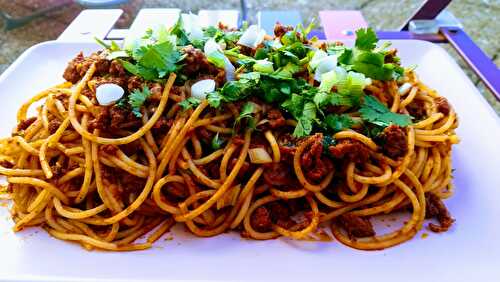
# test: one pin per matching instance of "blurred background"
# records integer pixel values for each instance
(480, 18)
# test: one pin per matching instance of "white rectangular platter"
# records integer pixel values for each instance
(470, 251)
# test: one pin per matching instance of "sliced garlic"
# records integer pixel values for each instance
(252, 37)
(201, 88)
(108, 93)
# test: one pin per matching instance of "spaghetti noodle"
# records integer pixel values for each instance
(103, 176)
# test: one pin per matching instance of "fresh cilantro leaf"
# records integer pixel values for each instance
(217, 142)
(338, 123)
(372, 130)
(290, 37)
(137, 98)
(235, 90)
(263, 53)
(366, 39)
(136, 69)
(212, 32)
(294, 105)
(376, 113)
(102, 43)
(384, 72)
(340, 99)
(114, 51)
(114, 46)
(214, 99)
(217, 58)
(117, 54)
(246, 113)
(228, 37)
(273, 90)
(179, 31)
(285, 72)
(232, 37)
(189, 103)
(162, 58)
(305, 121)
(304, 31)
(148, 34)
(153, 61)
(321, 99)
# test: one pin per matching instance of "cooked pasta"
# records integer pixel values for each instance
(291, 137)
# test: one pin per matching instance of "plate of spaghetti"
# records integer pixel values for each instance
(214, 138)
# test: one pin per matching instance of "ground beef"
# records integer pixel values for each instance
(315, 166)
(110, 180)
(72, 73)
(130, 182)
(204, 134)
(131, 148)
(197, 66)
(194, 60)
(287, 153)
(6, 164)
(280, 30)
(314, 151)
(275, 118)
(87, 92)
(112, 118)
(391, 56)
(116, 69)
(24, 124)
(244, 167)
(278, 174)
(279, 212)
(134, 82)
(394, 141)
(156, 90)
(259, 141)
(417, 109)
(237, 140)
(162, 125)
(118, 117)
(286, 139)
(54, 125)
(442, 105)
(121, 81)
(248, 51)
(261, 219)
(109, 149)
(177, 191)
(219, 75)
(350, 149)
(101, 64)
(77, 67)
(212, 170)
(435, 208)
(101, 119)
(356, 226)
